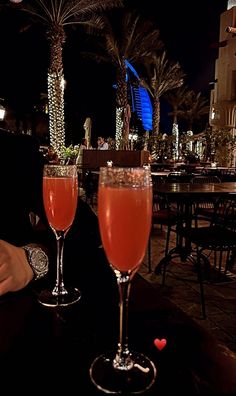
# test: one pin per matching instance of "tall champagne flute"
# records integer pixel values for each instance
(60, 193)
(124, 213)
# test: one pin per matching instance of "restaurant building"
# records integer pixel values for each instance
(223, 96)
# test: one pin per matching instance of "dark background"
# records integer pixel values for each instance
(188, 30)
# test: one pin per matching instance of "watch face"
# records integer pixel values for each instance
(39, 260)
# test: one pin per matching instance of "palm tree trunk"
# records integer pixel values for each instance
(122, 138)
(56, 36)
(155, 127)
(156, 116)
(175, 135)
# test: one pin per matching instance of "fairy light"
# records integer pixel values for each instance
(175, 134)
(189, 144)
(119, 126)
(56, 111)
(2, 112)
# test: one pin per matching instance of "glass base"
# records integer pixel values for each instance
(135, 380)
(49, 299)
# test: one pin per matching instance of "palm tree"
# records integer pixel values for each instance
(194, 107)
(129, 39)
(55, 15)
(163, 75)
(175, 98)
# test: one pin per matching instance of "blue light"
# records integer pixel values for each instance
(141, 102)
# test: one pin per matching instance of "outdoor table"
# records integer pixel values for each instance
(45, 350)
(185, 195)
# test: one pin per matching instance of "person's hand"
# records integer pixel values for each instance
(15, 271)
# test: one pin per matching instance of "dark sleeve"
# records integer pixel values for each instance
(85, 228)
(85, 262)
(35, 177)
(21, 177)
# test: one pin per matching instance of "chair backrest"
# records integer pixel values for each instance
(178, 177)
(157, 199)
(225, 214)
(157, 180)
(205, 179)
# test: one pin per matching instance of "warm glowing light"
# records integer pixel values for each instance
(119, 126)
(56, 111)
(231, 3)
(175, 134)
(2, 112)
(63, 83)
(133, 136)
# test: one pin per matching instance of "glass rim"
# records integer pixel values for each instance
(123, 168)
(59, 165)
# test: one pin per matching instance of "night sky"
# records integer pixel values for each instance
(188, 33)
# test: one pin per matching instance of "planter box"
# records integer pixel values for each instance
(93, 159)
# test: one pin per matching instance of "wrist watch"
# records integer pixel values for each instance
(38, 261)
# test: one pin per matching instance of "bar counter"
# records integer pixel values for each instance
(44, 351)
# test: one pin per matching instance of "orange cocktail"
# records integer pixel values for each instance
(124, 214)
(60, 201)
(125, 221)
(60, 195)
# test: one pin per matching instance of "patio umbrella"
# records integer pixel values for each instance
(87, 127)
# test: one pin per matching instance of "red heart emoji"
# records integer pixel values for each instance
(160, 344)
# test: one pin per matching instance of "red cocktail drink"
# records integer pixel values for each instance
(125, 221)
(60, 201)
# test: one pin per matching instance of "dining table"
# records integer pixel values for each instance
(50, 350)
(184, 196)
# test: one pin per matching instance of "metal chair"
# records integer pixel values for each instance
(164, 215)
(218, 237)
(178, 177)
(202, 209)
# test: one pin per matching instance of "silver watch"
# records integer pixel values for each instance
(38, 261)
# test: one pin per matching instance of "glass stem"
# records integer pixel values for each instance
(123, 359)
(59, 288)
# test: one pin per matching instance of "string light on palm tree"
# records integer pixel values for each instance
(119, 127)
(56, 110)
(175, 134)
(55, 15)
(2, 110)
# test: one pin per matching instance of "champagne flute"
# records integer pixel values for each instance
(124, 213)
(60, 193)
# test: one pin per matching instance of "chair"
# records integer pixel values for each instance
(90, 186)
(218, 237)
(164, 215)
(205, 179)
(202, 209)
(178, 177)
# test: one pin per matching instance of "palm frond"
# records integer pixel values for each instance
(81, 8)
(162, 74)
(63, 12)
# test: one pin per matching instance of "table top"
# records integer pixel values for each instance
(50, 350)
(198, 188)
(160, 173)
